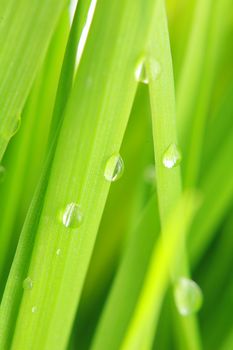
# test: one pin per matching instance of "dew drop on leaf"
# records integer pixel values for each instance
(72, 216)
(58, 252)
(16, 126)
(114, 168)
(140, 72)
(2, 173)
(34, 309)
(27, 283)
(172, 156)
(188, 296)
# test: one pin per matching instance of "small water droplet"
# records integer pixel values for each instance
(140, 72)
(34, 309)
(114, 168)
(27, 283)
(17, 125)
(149, 174)
(172, 156)
(72, 216)
(2, 173)
(188, 296)
(58, 251)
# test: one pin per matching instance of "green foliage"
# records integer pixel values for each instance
(100, 259)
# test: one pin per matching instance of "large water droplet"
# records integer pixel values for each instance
(172, 156)
(114, 168)
(140, 72)
(2, 173)
(27, 283)
(72, 216)
(34, 309)
(188, 296)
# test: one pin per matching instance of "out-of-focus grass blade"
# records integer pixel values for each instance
(126, 288)
(26, 153)
(212, 210)
(162, 97)
(195, 89)
(143, 324)
(25, 31)
(101, 97)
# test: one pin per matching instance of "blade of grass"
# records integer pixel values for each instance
(13, 291)
(144, 321)
(133, 153)
(126, 288)
(68, 68)
(161, 87)
(108, 247)
(195, 89)
(25, 31)
(212, 211)
(107, 110)
(26, 153)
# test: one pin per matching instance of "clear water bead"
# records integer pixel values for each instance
(34, 309)
(2, 173)
(17, 125)
(27, 283)
(188, 296)
(72, 216)
(172, 156)
(140, 72)
(114, 168)
(58, 251)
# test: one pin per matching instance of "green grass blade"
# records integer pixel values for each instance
(107, 110)
(26, 153)
(68, 67)
(195, 89)
(161, 87)
(25, 32)
(126, 288)
(141, 329)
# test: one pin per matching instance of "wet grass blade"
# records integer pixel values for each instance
(82, 181)
(167, 154)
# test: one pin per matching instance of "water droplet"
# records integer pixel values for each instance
(188, 296)
(16, 126)
(140, 72)
(2, 173)
(172, 156)
(114, 168)
(27, 283)
(72, 216)
(58, 251)
(34, 309)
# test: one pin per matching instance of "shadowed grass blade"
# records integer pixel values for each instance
(25, 31)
